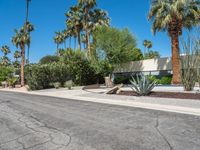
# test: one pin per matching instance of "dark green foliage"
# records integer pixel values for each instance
(122, 79)
(116, 46)
(43, 76)
(164, 80)
(5, 73)
(152, 54)
(49, 59)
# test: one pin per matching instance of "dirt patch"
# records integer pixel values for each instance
(165, 95)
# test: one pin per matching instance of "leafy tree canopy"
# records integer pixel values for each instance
(116, 46)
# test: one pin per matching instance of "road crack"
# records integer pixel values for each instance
(161, 134)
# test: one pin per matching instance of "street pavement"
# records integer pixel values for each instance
(31, 122)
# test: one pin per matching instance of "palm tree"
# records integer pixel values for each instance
(17, 55)
(5, 60)
(145, 43)
(58, 39)
(21, 39)
(149, 45)
(172, 16)
(87, 5)
(75, 21)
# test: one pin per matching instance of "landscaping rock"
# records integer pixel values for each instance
(115, 89)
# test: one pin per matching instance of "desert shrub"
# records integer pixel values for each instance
(142, 85)
(42, 76)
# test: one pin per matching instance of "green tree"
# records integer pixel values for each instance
(116, 46)
(172, 16)
(17, 55)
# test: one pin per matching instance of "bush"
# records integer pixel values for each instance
(5, 73)
(42, 76)
(81, 71)
(121, 79)
(165, 80)
(142, 85)
(49, 59)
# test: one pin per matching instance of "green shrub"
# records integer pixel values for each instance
(121, 79)
(42, 76)
(5, 73)
(12, 81)
(165, 80)
(142, 85)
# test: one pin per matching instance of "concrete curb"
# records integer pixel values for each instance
(126, 102)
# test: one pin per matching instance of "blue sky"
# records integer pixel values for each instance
(48, 17)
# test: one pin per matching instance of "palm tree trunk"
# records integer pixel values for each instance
(88, 43)
(175, 58)
(57, 50)
(22, 64)
(74, 43)
(79, 40)
(70, 41)
(65, 44)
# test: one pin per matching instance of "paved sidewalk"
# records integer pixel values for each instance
(172, 105)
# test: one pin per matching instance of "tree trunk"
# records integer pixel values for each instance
(88, 43)
(57, 50)
(74, 43)
(79, 40)
(175, 59)
(22, 64)
(65, 44)
(70, 41)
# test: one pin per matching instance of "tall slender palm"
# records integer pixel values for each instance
(149, 45)
(75, 21)
(28, 25)
(21, 39)
(65, 35)
(87, 5)
(172, 16)
(145, 43)
(5, 60)
(58, 39)
(17, 55)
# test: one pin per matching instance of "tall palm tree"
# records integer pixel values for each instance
(87, 5)
(145, 43)
(28, 25)
(58, 39)
(75, 21)
(5, 60)
(21, 39)
(17, 55)
(172, 16)
(149, 45)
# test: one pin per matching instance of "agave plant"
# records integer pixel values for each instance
(142, 85)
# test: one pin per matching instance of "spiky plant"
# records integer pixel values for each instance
(142, 85)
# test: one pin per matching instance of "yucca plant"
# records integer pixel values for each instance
(142, 85)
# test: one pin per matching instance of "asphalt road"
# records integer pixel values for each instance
(30, 122)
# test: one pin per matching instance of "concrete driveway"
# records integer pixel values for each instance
(30, 122)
